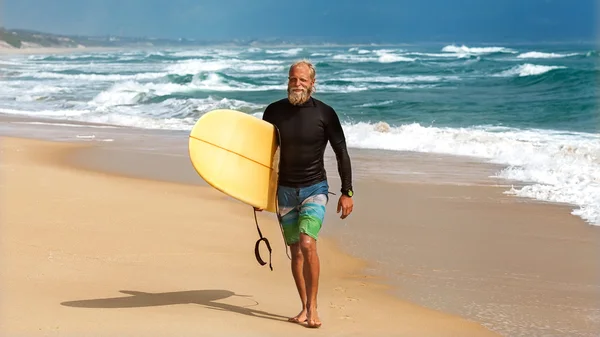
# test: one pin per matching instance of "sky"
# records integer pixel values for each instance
(331, 20)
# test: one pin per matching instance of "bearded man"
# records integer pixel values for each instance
(305, 125)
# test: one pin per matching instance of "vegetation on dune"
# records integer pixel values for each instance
(10, 38)
(20, 38)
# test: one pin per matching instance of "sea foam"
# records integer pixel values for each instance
(557, 166)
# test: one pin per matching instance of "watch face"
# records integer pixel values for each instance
(350, 193)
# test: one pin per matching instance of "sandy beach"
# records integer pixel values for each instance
(86, 252)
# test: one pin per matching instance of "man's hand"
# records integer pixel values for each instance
(345, 204)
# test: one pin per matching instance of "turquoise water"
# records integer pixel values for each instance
(531, 108)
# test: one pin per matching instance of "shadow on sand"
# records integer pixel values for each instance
(206, 298)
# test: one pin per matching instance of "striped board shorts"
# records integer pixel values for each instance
(302, 210)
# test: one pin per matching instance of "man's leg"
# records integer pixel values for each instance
(310, 220)
(308, 247)
(298, 273)
(288, 213)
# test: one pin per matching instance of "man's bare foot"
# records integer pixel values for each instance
(312, 319)
(300, 318)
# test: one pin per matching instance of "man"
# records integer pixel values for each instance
(305, 125)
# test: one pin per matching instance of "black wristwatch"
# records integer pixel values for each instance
(348, 192)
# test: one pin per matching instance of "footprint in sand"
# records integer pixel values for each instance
(351, 299)
(345, 317)
(339, 289)
(335, 306)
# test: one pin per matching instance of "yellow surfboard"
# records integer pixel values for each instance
(237, 154)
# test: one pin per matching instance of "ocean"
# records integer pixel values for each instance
(531, 109)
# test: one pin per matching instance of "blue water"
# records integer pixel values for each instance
(531, 108)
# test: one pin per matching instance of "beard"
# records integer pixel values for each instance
(299, 97)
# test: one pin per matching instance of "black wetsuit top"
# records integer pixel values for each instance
(304, 131)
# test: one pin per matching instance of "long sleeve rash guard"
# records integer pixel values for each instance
(304, 131)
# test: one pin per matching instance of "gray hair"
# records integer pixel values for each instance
(313, 72)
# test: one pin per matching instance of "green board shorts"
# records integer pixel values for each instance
(302, 210)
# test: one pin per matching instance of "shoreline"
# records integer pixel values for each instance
(476, 170)
(475, 166)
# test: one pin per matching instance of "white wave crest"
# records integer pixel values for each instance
(368, 105)
(328, 88)
(400, 79)
(94, 77)
(195, 66)
(390, 58)
(527, 70)
(436, 55)
(380, 57)
(464, 50)
(287, 52)
(73, 57)
(360, 51)
(10, 63)
(349, 58)
(559, 167)
(202, 52)
(541, 55)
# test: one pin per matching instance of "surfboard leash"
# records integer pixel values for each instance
(262, 238)
(266, 241)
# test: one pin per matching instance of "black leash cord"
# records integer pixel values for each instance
(256, 250)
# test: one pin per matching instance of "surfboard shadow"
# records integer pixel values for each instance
(206, 298)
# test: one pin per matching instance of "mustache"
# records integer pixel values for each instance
(297, 97)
